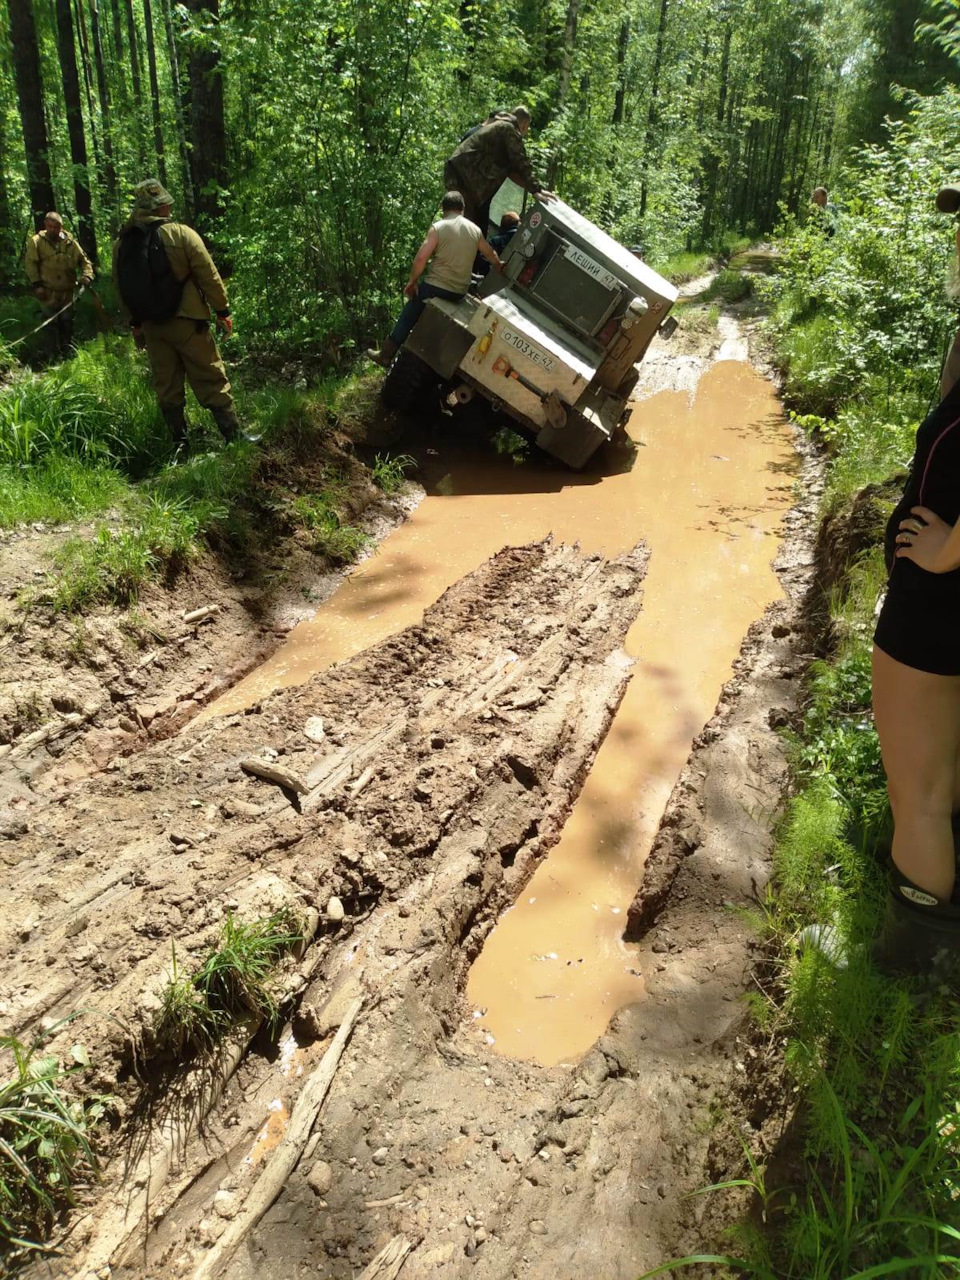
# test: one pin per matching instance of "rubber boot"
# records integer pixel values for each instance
(173, 416)
(226, 420)
(920, 935)
(383, 357)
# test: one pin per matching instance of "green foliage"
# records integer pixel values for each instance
(839, 742)
(45, 1141)
(113, 564)
(512, 445)
(861, 317)
(318, 514)
(730, 286)
(389, 473)
(98, 407)
(235, 979)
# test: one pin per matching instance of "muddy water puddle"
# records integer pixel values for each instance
(706, 489)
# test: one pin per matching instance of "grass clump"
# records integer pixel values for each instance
(730, 286)
(329, 536)
(45, 1142)
(389, 474)
(113, 564)
(235, 979)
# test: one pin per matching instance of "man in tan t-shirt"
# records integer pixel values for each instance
(450, 248)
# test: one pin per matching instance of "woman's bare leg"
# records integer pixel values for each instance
(918, 721)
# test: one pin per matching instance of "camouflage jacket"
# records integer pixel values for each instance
(190, 262)
(491, 153)
(55, 263)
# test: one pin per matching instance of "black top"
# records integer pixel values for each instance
(934, 482)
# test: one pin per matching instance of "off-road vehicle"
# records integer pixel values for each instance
(553, 341)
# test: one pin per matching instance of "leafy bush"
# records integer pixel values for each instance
(862, 316)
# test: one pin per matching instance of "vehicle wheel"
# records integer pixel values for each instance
(409, 380)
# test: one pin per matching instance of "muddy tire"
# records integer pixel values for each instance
(408, 384)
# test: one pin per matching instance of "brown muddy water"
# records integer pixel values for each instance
(707, 487)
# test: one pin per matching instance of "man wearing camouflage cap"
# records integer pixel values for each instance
(52, 261)
(169, 285)
(485, 157)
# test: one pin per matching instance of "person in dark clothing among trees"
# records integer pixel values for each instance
(826, 210)
(486, 157)
(508, 229)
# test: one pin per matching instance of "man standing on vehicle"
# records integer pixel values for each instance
(488, 155)
(452, 243)
(52, 261)
(169, 284)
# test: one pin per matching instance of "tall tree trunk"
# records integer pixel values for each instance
(713, 164)
(133, 46)
(103, 90)
(566, 73)
(623, 44)
(174, 57)
(26, 68)
(154, 92)
(78, 144)
(653, 115)
(208, 155)
(8, 237)
(83, 44)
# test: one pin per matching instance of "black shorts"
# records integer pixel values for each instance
(919, 624)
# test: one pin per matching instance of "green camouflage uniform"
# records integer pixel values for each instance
(53, 265)
(183, 348)
(481, 162)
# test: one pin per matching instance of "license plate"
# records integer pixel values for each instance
(592, 268)
(533, 354)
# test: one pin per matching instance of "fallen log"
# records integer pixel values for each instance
(284, 1160)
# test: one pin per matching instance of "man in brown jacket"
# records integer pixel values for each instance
(488, 155)
(52, 261)
(180, 347)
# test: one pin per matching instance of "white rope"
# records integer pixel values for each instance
(49, 320)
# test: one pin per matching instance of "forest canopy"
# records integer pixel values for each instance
(306, 140)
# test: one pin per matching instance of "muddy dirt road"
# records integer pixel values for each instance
(472, 735)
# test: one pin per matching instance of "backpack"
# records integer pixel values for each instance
(145, 278)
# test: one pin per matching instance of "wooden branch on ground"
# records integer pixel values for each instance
(273, 773)
(284, 1160)
(389, 1261)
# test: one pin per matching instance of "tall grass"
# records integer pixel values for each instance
(45, 1141)
(85, 439)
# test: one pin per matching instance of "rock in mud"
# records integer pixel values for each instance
(225, 1204)
(320, 1178)
(314, 729)
(335, 911)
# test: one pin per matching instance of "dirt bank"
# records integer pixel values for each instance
(77, 691)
